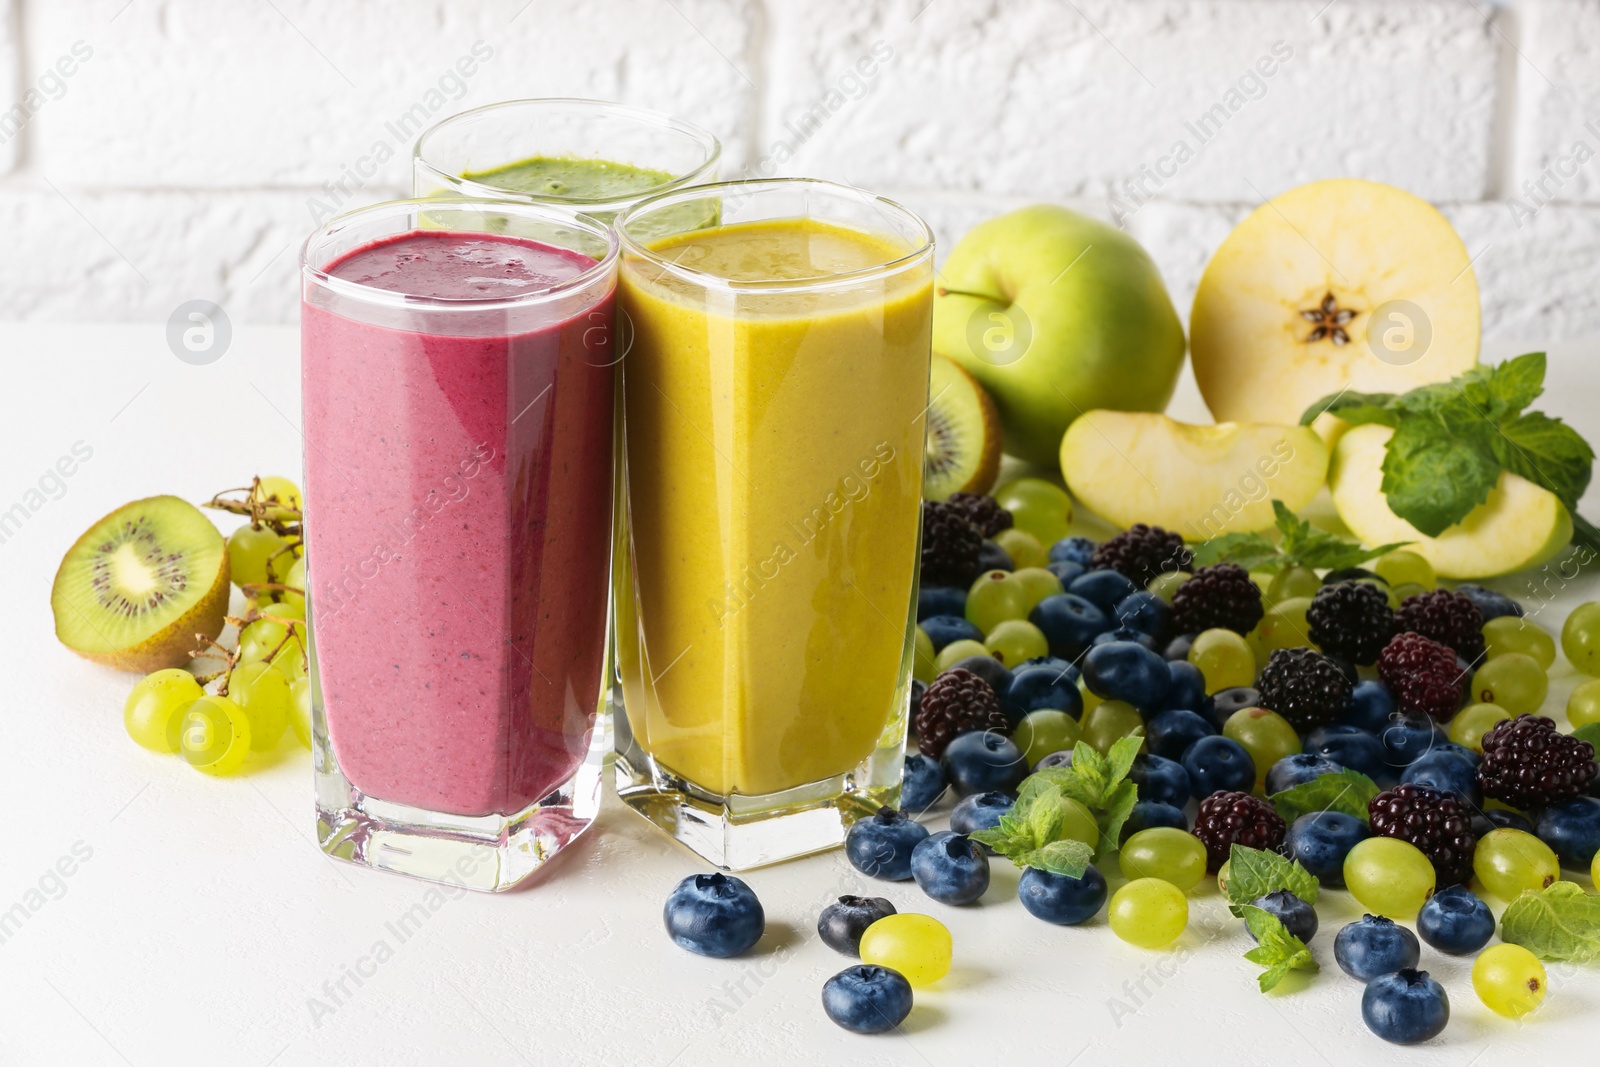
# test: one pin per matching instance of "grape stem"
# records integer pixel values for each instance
(283, 520)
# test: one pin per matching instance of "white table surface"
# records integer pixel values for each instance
(205, 926)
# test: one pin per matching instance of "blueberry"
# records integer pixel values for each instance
(1349, 747)
(1406, 1007)
(1447, 770)
(1491, 605)
(1484, 821)
(940, 600)
(1406, 738)
(1058, 899)
(989, 669)
(991, 557)
(981, 811)
(950, 868)
(1375, 945)
(1298, 917)
(1148, 814)
(1144, 611)
(1298, 769)
(981, 761)
(1102, 588)
(947, 629)
(918, 687)
(1123, 670)
(1572, 829)
(1186, 688)
(1124, 635)
(922, 784)
(1455, 922)
(1069, 623)
(1066, 571)
(880, 845)
(1058, 664)
(1218, 762)
(866, 999)
(1170, 733)
(1224, 702)
(1079, 550)
(1178, 647)
(1320, 840)
(1062, 758)
(1036, 687)
(714, 915)
(1372, 705)
(841, 924)
(1160, 778)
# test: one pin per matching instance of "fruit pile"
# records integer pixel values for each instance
(147, 588)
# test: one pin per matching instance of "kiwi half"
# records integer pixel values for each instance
(134, 590)
(963, 447)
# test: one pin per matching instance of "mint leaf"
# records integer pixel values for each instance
(1067, 857)
(1253, 873)
(1046, 815)
(1251, 551)
(1433, 478)
(1516, 383)
(1590, 732)
(1276, 949)
(1346, 791)
(1355, 408)
(1118, 806)
(1300, 545)
(1119, 761)
(1561, 922)
(1548, 453)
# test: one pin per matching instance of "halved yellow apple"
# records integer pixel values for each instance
(1340, 284)
(1198, 481)
(1521, 525)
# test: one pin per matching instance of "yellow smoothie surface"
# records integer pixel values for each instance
(766, 558)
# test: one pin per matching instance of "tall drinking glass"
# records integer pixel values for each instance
(458, 387)
(770, 482)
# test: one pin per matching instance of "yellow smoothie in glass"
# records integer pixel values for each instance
(766, 560)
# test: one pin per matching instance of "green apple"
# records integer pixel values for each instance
(1055, 314)
(1521, 525)
(1197, 481)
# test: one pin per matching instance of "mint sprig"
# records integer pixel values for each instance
(1254, 872)
(1299, 545)
(1276, 949)
(1029, 833)
(1560, 922)
(1099, 783)
(1452, 439)
(1590, 732)
(1344, 791)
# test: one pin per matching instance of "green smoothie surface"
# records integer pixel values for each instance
(572, 178)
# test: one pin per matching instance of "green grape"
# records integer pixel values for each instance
(276, 488)
(1224, 658)
(1292, 583)
(291, 662)
(297, 578)
(1148, 912)
(1402, 567)
(1263, 580)
(1594, 869)
(1090, 698)
(1167, 853)
(1043, 732)
(1473, 721)
(1389, 876)
(1284, 625)
(1222, 877)
(1165, 585)
(263, 693)
(300, 710)
(918, 946)
(1509, 633)
(1109, 722)
(249, 549)
(1406, 591)
(1580, 638)
(922, 657)
(995, 597)
(1037, 506)
(1078, 823)
(1514, 681)
(1266, 735)
(214, 735)
(151, 712)
(1014, 641)
(1026, 551)
(955, 652)
(1509, 980)
(1583, 706)
(258, 639)
(1038, 583)
(1507, 861)
(284, 611)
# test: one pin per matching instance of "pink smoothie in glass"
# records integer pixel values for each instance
(458, 493)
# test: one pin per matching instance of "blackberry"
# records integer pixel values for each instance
(1423, 674)
(1221, 595)
(1448, 618)
(1305, 687)
(957, 701)
(1437, 822)
(950, 545)
(1141, 552)
(982, 511)
(1226, 819)
(1527, 764)
(1352, 620)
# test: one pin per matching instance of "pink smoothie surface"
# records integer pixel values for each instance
(458, 512)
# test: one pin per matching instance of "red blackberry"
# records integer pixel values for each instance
(1141, 552)
(1437, 822)
(955, 702)
(1305, 687)
(982, 511)
(1226, 819)
(1423, 674)
(950, 545)
(1448, 618)
(1221, 595)
(1527, 764)
(1351, 620)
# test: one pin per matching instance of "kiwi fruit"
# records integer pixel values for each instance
(137, 588)
(962, 454)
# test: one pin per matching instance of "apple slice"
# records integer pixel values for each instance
(962, 454)
(1340, 284)
(1198, 481)
(1521, 525)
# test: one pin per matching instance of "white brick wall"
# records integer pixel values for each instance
(170, 148)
